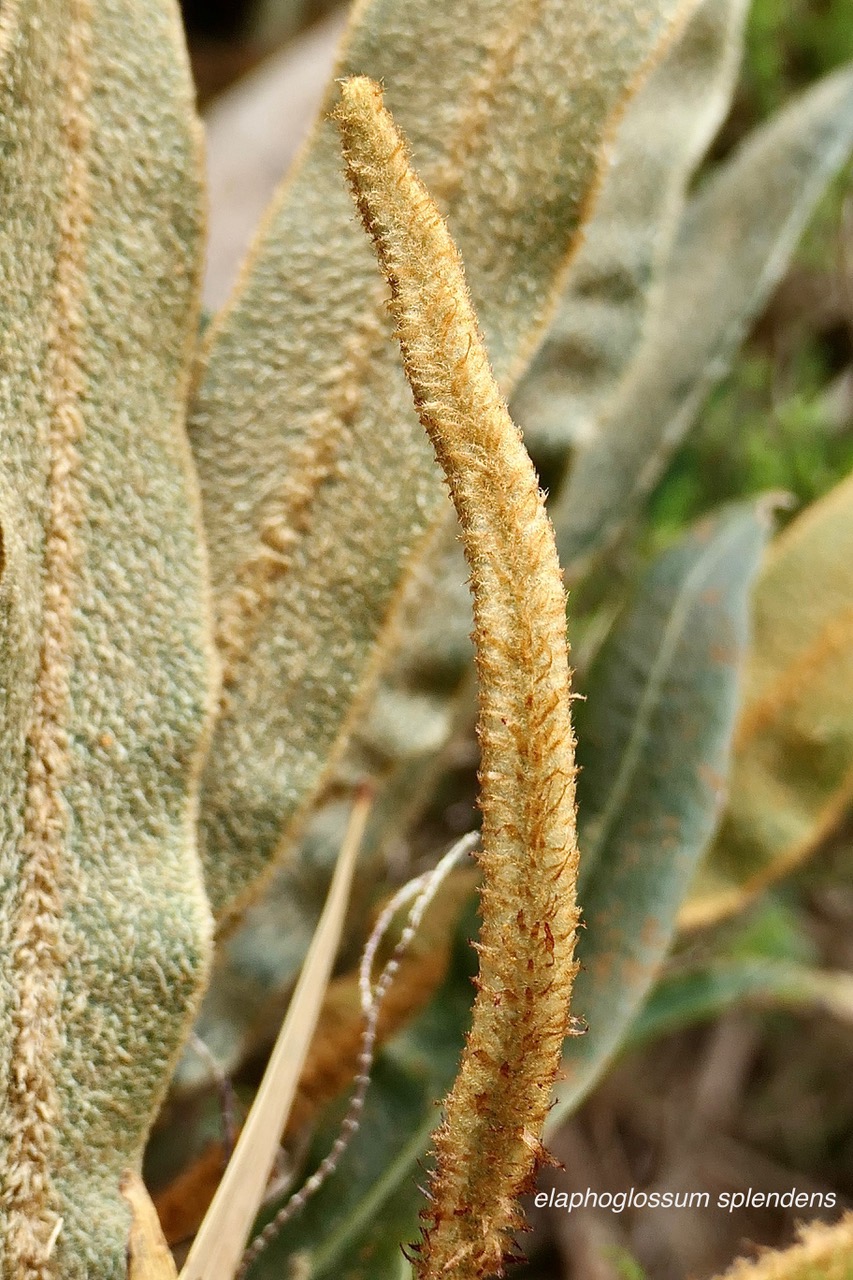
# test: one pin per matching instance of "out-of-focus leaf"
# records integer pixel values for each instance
(665, 131)
(216, 1251)
(792, 778)
(398, 742)
(353, 1229)
(821, 1253)
(333, 1059)
(319, 487)
(105, 670)
(253, 980)
(699, 994)
(653, 740)
(773, 930)
(767, 957)
(735, 241)
(332, 1062)
(256, 966)
(274, 21)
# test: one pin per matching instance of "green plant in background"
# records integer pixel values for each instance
(149, 802)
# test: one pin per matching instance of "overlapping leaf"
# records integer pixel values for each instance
(793, 763)
(733, 245)
(654, 739)
(770, 960)
(355, 1227)
(319, 489)
(612, 280)
(259, 963)
(104, 661)
(704, 992)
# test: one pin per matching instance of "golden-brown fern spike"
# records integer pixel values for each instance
(488, 1146)
(821, 1250)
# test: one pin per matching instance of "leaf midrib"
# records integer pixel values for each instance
(672, 634)
(37, 950)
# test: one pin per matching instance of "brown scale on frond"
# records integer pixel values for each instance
(488, 1147)
(30, 1200)
(287, 512)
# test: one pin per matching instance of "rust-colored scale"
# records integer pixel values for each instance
(30, 1200)
(488, 1146)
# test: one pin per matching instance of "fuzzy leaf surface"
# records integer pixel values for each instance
(319, 487)
(821, 1252)
(398, 742)
(733, 245)
(105, 656)
(613, 279)
(792, 777)
(654, 738)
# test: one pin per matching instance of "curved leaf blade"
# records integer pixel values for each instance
(792, 779)
(655, 734)
(105, 651)
(735, 241)
(617, 271)
(700, 994)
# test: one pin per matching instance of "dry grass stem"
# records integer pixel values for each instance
(420, 892)
(218, 1248)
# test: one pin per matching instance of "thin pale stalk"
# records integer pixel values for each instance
(218, 1248)
(423, 890)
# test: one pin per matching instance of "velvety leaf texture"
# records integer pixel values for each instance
(793, 763)
(319, 487)
(397, 742)
(105, 668)
(733, 245)
(654, 738)
(821, 1253)
(611, 282)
